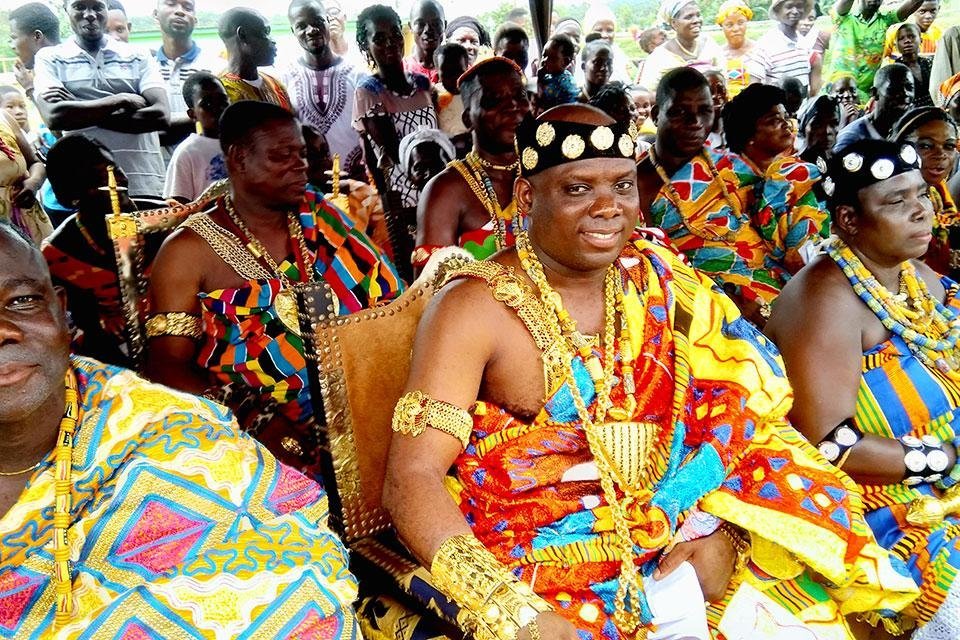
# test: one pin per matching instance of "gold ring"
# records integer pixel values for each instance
(291, 445)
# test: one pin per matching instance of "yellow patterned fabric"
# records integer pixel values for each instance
(181, 527)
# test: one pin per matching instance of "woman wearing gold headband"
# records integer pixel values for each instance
(688, 48)
(733, 17)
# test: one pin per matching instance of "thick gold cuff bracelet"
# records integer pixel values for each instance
(416, 411)
(740, 540)
(494, 605)
(176, 323)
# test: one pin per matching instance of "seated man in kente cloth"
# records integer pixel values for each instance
(625, 422)
(221, 294)
(131, 510)
(748, 231)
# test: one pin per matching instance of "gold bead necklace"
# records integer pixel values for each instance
(630, 585)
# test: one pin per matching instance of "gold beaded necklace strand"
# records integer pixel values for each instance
(255, 247)
(62, 502)
(629, 588)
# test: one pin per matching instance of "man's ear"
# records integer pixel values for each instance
(191, 114)
(467, 119)
(655, 113)
(236, 158)
(847, 220)
(523, 194)
(61, 294)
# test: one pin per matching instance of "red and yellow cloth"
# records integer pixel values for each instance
(716, 392)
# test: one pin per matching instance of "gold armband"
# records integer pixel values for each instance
(175, 323)
(416, 411)
(494, 605)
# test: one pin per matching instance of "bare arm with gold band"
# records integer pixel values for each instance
(416, 411)
(177, 323)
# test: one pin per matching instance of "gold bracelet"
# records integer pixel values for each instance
(416, 411)
(741, 544)
(176, 323)
(533, 629)
(494, 605)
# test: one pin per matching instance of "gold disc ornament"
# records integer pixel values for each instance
(285, 305)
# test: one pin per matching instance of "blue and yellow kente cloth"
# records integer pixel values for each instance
(180, 527)
(715, 392)
(899, 395)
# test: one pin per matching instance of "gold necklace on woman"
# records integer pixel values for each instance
(285, 302)
(677, 201)
(629, 594)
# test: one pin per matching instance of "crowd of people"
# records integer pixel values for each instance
(699, 379)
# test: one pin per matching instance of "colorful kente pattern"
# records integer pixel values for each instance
(181, 527)
(946, 232)
(93, 294)
(756, 251)
(529, 489)
(899, 396)
(245, 342)
(482, 243)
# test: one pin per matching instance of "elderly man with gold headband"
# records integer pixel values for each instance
(869, 335)
(129, 510)
(616, 433)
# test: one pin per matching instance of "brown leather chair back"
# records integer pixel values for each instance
(358, 365)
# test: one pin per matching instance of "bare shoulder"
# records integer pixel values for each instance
(464, 306)
(447, 185)
(818, 298)
(184, 243)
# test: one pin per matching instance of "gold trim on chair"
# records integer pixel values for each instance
(342, 368)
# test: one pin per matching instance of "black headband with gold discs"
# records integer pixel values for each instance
(548, 143)
(864, 163)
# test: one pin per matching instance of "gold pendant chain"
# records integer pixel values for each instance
(677, 201)
(630, 585)
(259, 251)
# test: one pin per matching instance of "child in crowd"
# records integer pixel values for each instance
(425, 153)
(718, 92)
(13, 102)
(452, 61)
(198, 161)
(643, 99)
(796, 96)
(843, 87)
(555, 83)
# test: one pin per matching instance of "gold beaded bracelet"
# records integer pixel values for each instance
(416, 411)
(740, 540)
(176, 323)
(494, 605)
